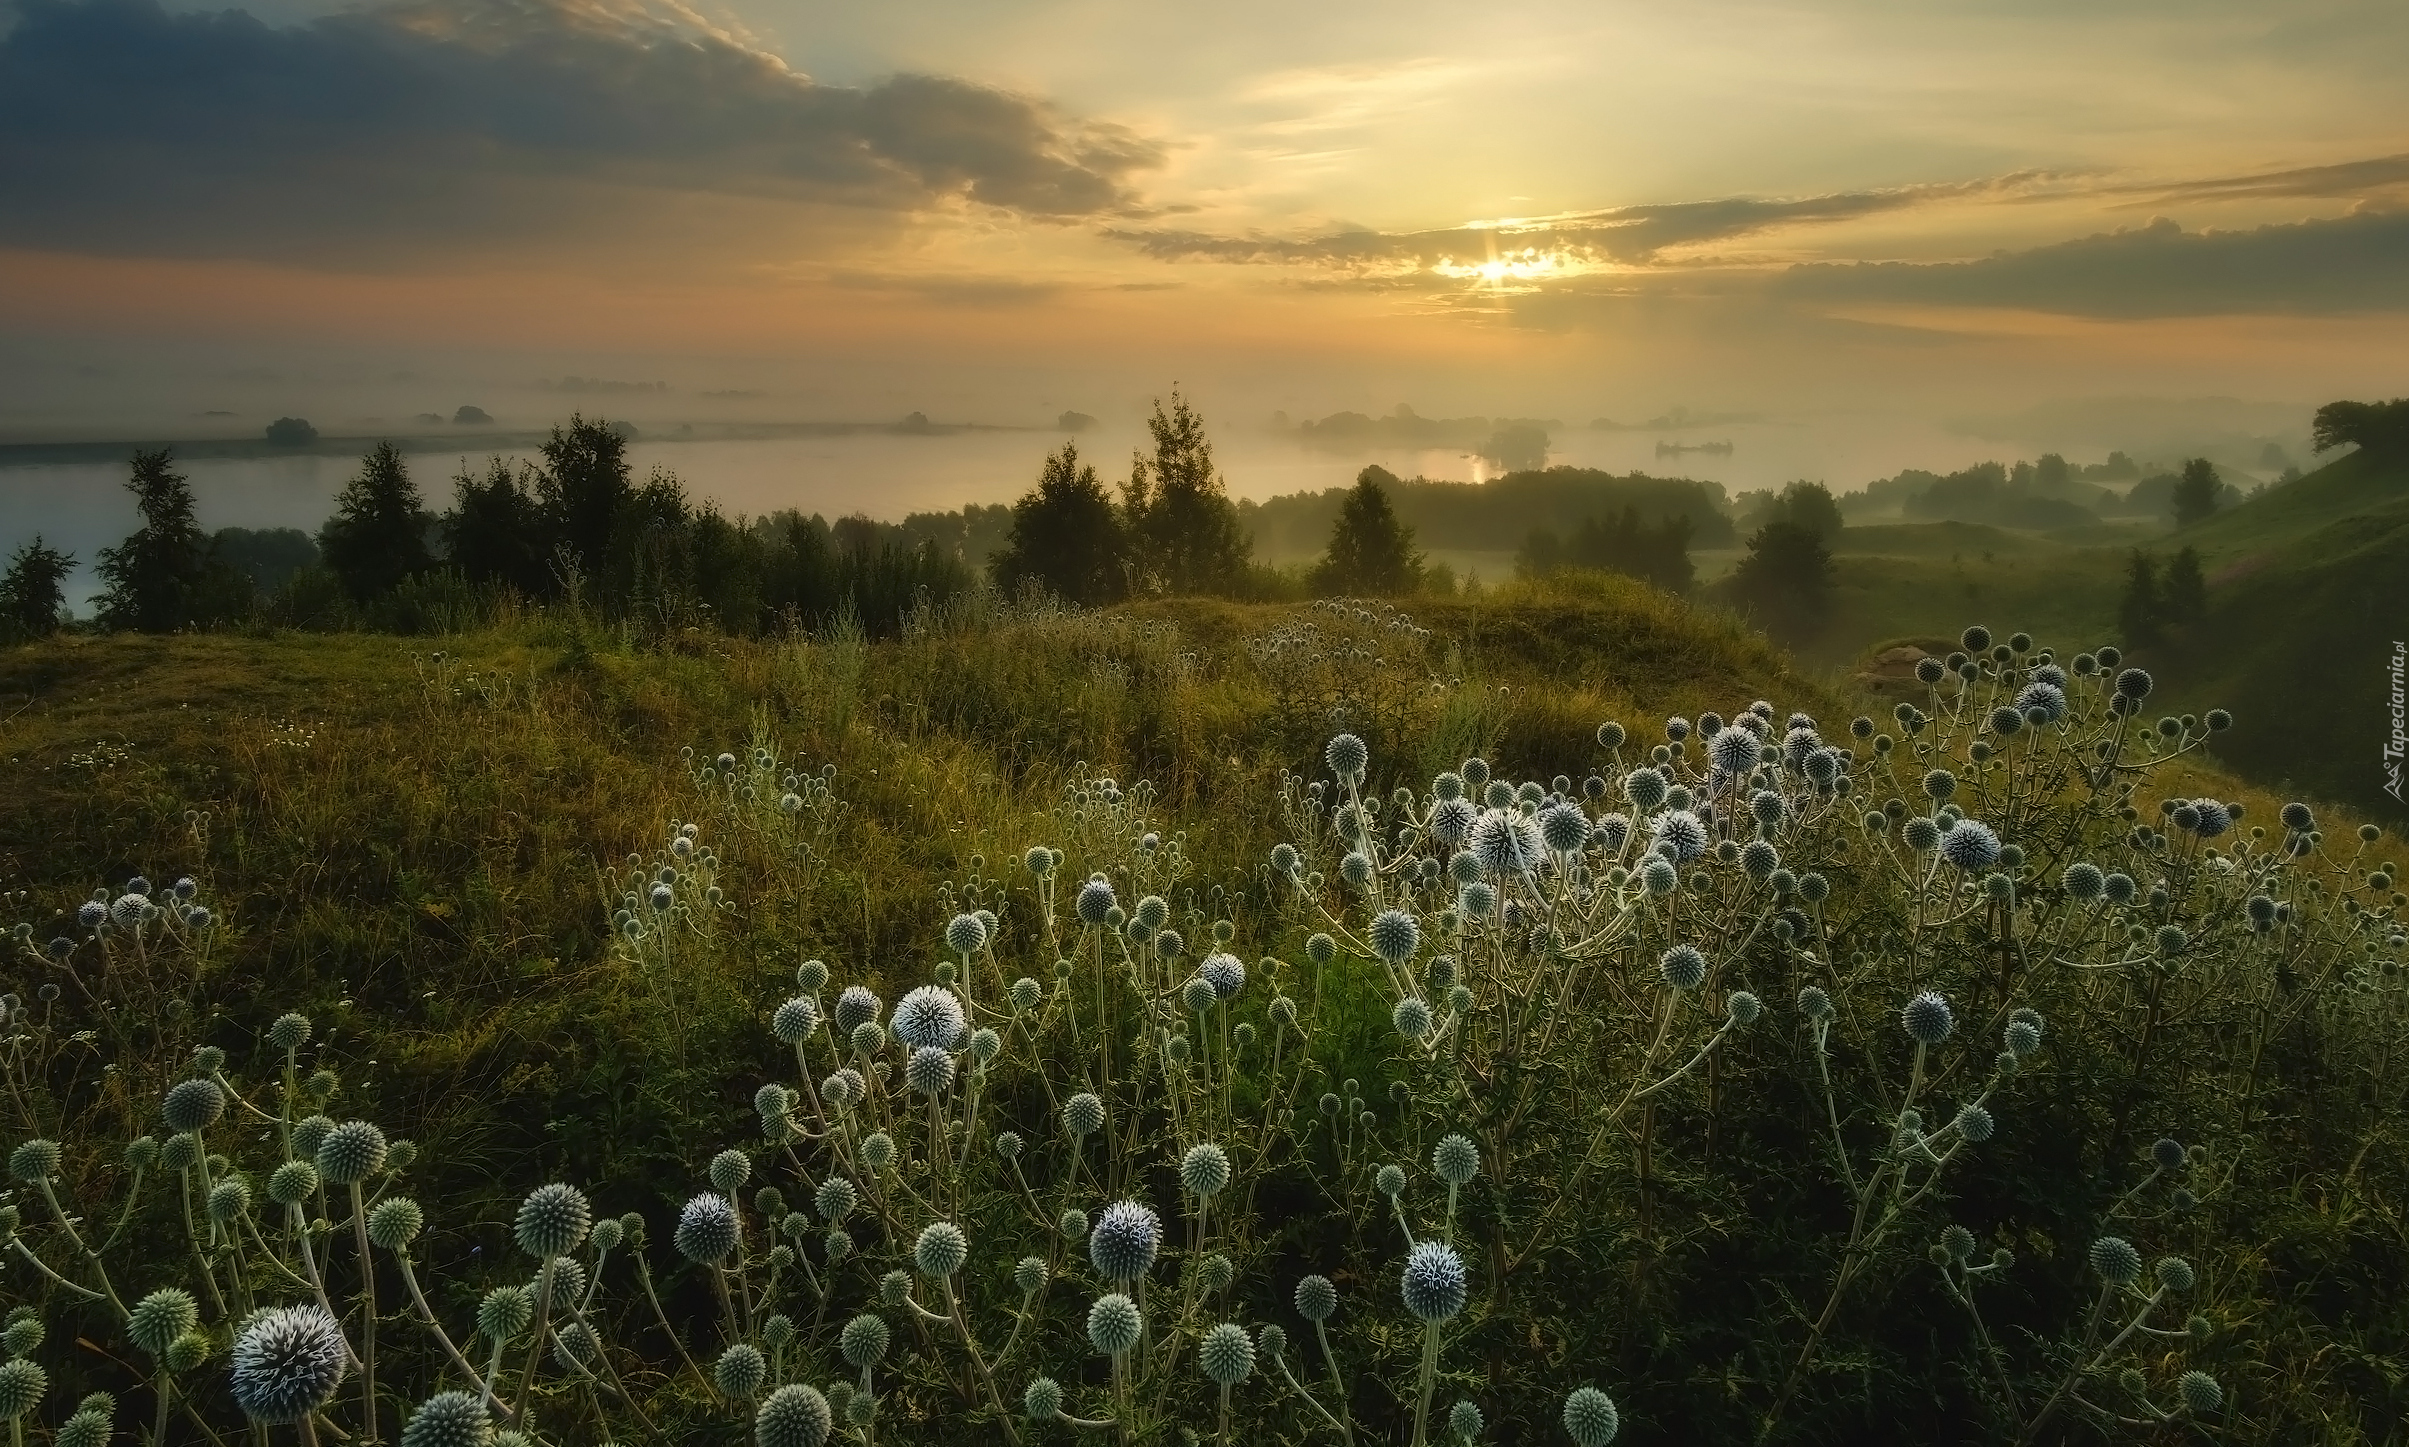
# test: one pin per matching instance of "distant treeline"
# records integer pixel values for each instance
(1499, 516)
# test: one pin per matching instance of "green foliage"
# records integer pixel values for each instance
(581, 490)
(1371, 554)
(1183, 531)
(33, 594)
(378, 534)
(2380, 427)
(266, 556)
(2184, 591)
(1657, 553)
(2142, 607)
(1067, 539)
(2197, 494)
(1786, 579)
(162, 578)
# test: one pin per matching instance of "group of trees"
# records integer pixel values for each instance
(2155, 600)
(1658, 552)
(1172, 530)
(1786, 579)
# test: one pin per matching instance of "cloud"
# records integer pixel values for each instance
(1622, 235)
(2357, 263)
(2373, 176)
(126, 129)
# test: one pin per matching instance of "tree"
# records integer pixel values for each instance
(1066, 537)
(493, 534)
(154, 577)
(378, 535)
(2138, 612)
(1786, 579)
(1371, 554)
(1181, 522)
(33, 594)
(581, 488)
(2196, 492)
(2183, 592)
(2381, 427)
(1810, 505)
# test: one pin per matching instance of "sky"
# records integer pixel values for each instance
(1888, 214)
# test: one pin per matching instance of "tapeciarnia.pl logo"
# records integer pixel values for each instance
(2398, 744)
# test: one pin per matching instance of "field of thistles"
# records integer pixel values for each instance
(1263, 1026)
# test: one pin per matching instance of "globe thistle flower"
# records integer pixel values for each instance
(2175, 1274)
(707, 1228)
(160, 1318)
(1970, 845)
(1204, 1170)
(1505, 843)
(867, 1038)
(929, 1071)
(930, 1016)
(1434, 1283)
(730, 1169)
(1095, 901)
(1316, 1299)
(2114, 1258)
(1923, 835)
(795, 1019)
(1083, 1114)
(1645, 787)
(1682, 967)
(181, 1152)
(1477, 900)
(1042, 1399)
(552, 1221)
(1411, 1018)
(1228, 1355)
(1926, 1018)
(2200, 1393)
(1320, 948)
(794, 1416)
(1957, 1243)
(2167, 1154)
(1760, 859)
(504, 1312)
(1975, 1124)
(1113, 1324)
(22, 1385)
(2297, 817)
(1389, 1180)
(1815, 1004)
(193, 1105)
(454, 1419)
(1590, 1417)
(1659, 877)
(2022, 1038)
(1680, 829)
(2134, 684)
(1732, 752)
(966, 934)
(1224, 972)
(1124, 1241)
(1456, 1159)
(2048, 698)
(856, 1006)
(1743, 1008)
(2210, 818)
(2118, 889)
(741, 1370)
(395, 1222)
(287, 1363)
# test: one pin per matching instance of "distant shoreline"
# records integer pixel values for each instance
(481, 440)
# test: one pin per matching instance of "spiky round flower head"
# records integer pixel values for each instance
(864, 1340)
(552, 1220)
(351, 1152)
(160, 1318)
(504, 1313)
(2175, 1274)
(2133, 684)
(1923, 835)
(1970, 845)
(286, 1363)
(930, 1016)
(1682, 831)
(855, 1005)
(2297, 817)
(1388, 1180)
(940, 1250)
(1228, 1355)
(1682, 967)
(1456, 1159)
(1957, 1243)
(292, 1183)
(1742, 1007)
(2118, 889)
(1815, 1004)
(741, 1369)
(1975, 1124)
(1042, 1399)
(193, 1105)
(1124, 1240)
(1760, 859)
(795, 1019)
(1347, 758)
(1563, 828)
(1083, 1114)
(1590, 1417)
(1095, 901)
(2048, 698)
(1029, 1274)
(1320, 948)
(2200, 1393)
(1732, 751)
(965, 934)
(794, 1416)
(1434, 1282)
(1316, 1298)
(2114, 1258)
(1505, 843)
(1204, 1170)
(1072, 1223)
(141, 1153)
(867, 1038)
(2210, 818)
(1113, 1324)
(24, 1334)
(1926, 1018)
(87, 1428)
(181, 1152)
(1451, 820)
(34, 1161)
(1477, 900)
(1395, 935)
(22, 1384)
(1411, 1018)
(1224, 972)
(455, 1419)
(929, 1071)
(707, 1228)
(730, 1169)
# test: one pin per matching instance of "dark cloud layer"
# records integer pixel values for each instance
(126, 129)
(1628, 234)
(2357, 263)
